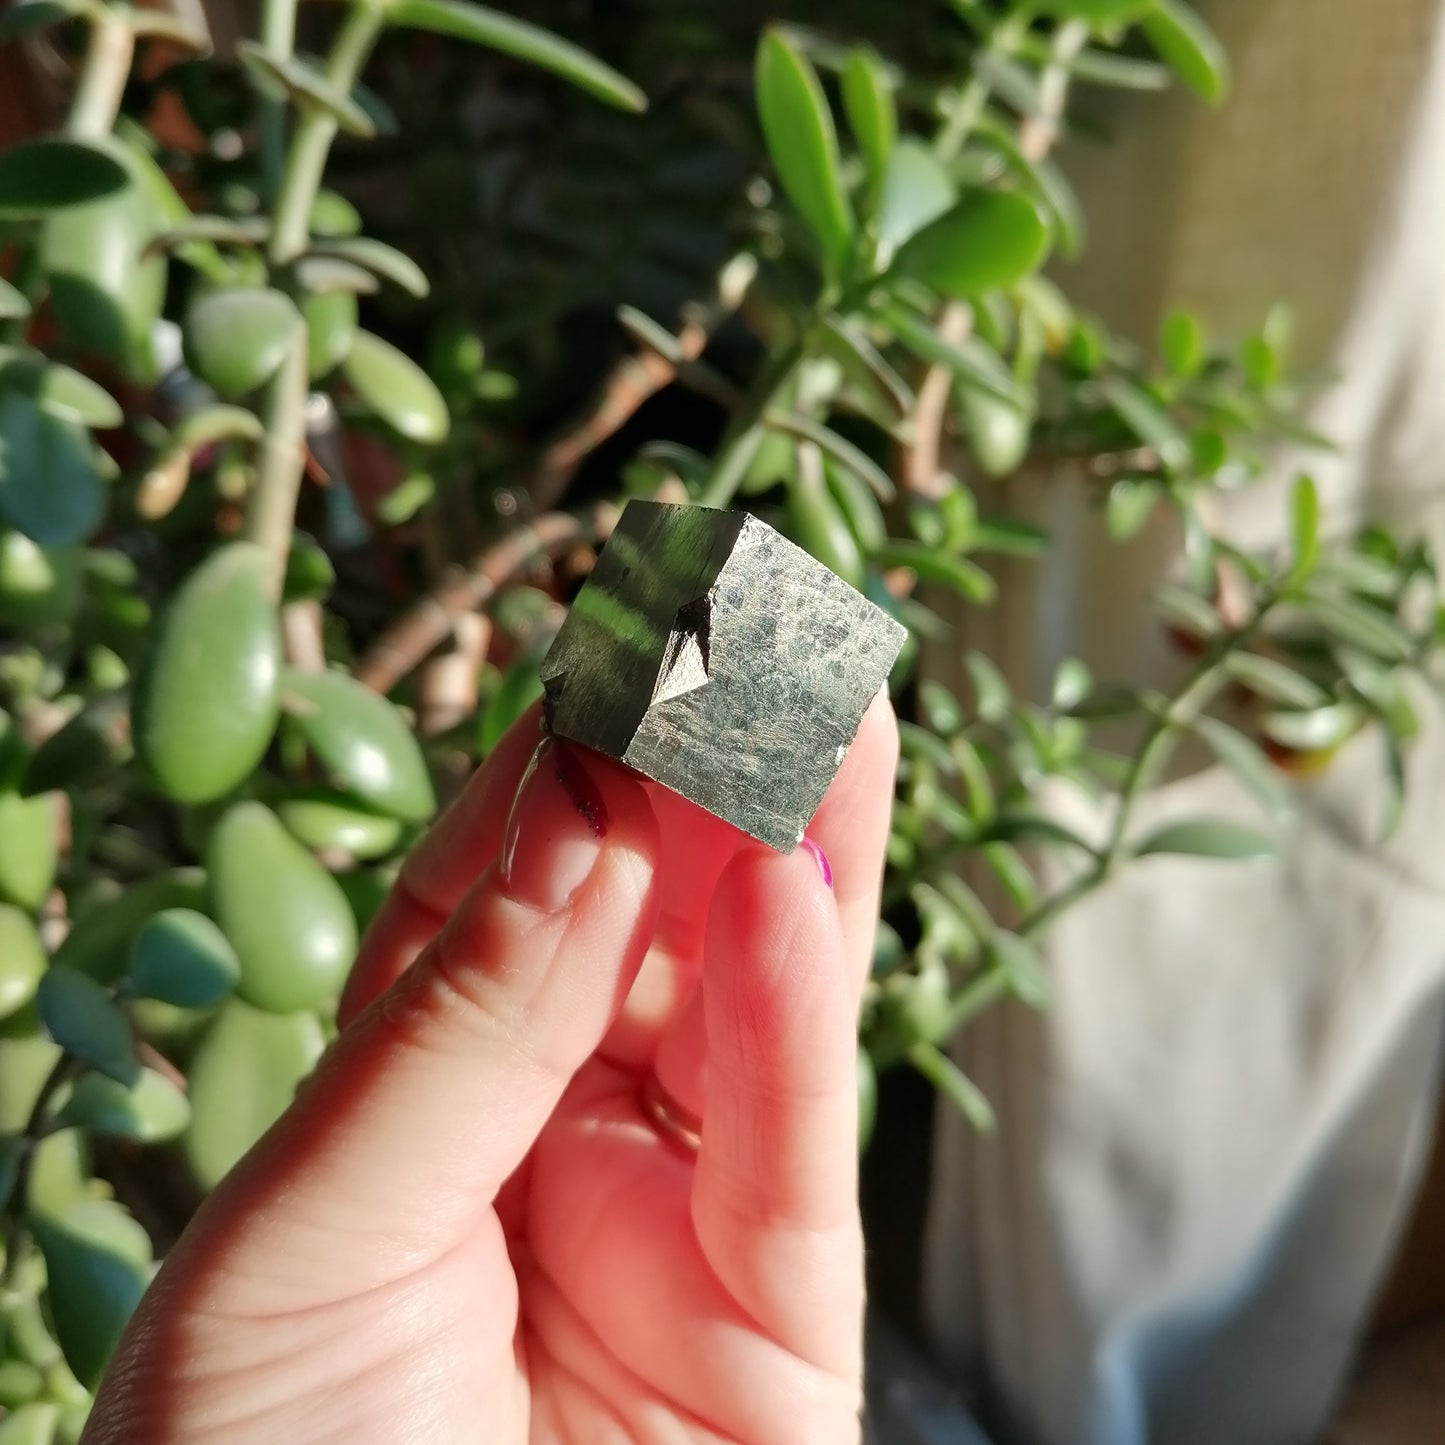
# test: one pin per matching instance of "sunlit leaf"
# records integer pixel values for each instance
(490, 28)
(1208, 838)
(798, 127)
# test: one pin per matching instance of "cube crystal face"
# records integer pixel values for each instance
(714, 656)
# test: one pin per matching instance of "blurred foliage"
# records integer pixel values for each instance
(317, 393)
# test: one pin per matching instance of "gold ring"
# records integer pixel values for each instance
(674, 1125)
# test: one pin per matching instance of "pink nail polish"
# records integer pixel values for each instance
(820, 858)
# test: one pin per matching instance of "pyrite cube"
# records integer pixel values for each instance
(712, 655)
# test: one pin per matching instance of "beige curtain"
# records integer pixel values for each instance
(1208, 1145)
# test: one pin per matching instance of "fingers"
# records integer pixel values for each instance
(397, 1146)
(851, 827)
(775, 1192)
(851, 830)
(440, 869)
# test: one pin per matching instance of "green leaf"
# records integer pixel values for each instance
(331, 320)
(213, 423)
(333, 822)
(990, 239)
(997, 432)
(182, 958)
(954, 1085)
(839, 448)
(993, 700)
(14, 304)
(206, 705)
(149, 1112)
(92, 742)
(1208, 838)
(917, 190)
(1131, 503)
(520, 688)
(1019, 825)
(243, 1077)
(1027, 978)
(973, 364)
(334, 215)
(59, 388)
(1243, 757)
(291, 926)
(50, 488)
(1315, 730)
(1187, 44)
(1097, 12)
(481, 26)
(41, 176)
(1147, 420)
(376, 256)
(326, 275)
(21, 1384)
(858, 505)
(101, 940)
(107, 287)
(97, 1266)
(872, 115)
(362, 742)
(816, 522)
(25, 17)
(304, 85)
(1073, 683)
(83, 1019)
(1181, 343)
(798, 127)
(854, 350)
(1360, 625)
(22, 960)
(1188, 611)
(1119, 72)
(1273, 680)
(1304, 528)
(237, 339)
(934, 565)
(396, 389)
(29, 849)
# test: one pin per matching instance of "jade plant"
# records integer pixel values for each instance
(272, 581)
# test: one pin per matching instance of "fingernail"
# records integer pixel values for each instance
(820, 858)
(555, 830)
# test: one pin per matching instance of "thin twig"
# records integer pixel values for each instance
(921, 462)
(635, 379)
(461, 590)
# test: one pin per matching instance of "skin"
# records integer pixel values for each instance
(467, 1228)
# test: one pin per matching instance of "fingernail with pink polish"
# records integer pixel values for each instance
(820, 858)
(556, 828)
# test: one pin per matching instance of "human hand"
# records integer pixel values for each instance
(476, 1223)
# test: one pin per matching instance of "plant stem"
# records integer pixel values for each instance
(278, 35)
(281, 459)
(310, 146)
(65, 1069)
(746, 435)
(271, 510)
(103, 74)
(1190, 701)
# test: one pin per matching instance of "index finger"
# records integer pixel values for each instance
(439, 871)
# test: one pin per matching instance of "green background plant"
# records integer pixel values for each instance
(272, 581)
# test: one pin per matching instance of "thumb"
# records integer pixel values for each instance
(435, 1094)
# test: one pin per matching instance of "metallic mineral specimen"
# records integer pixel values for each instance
(712, 655)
